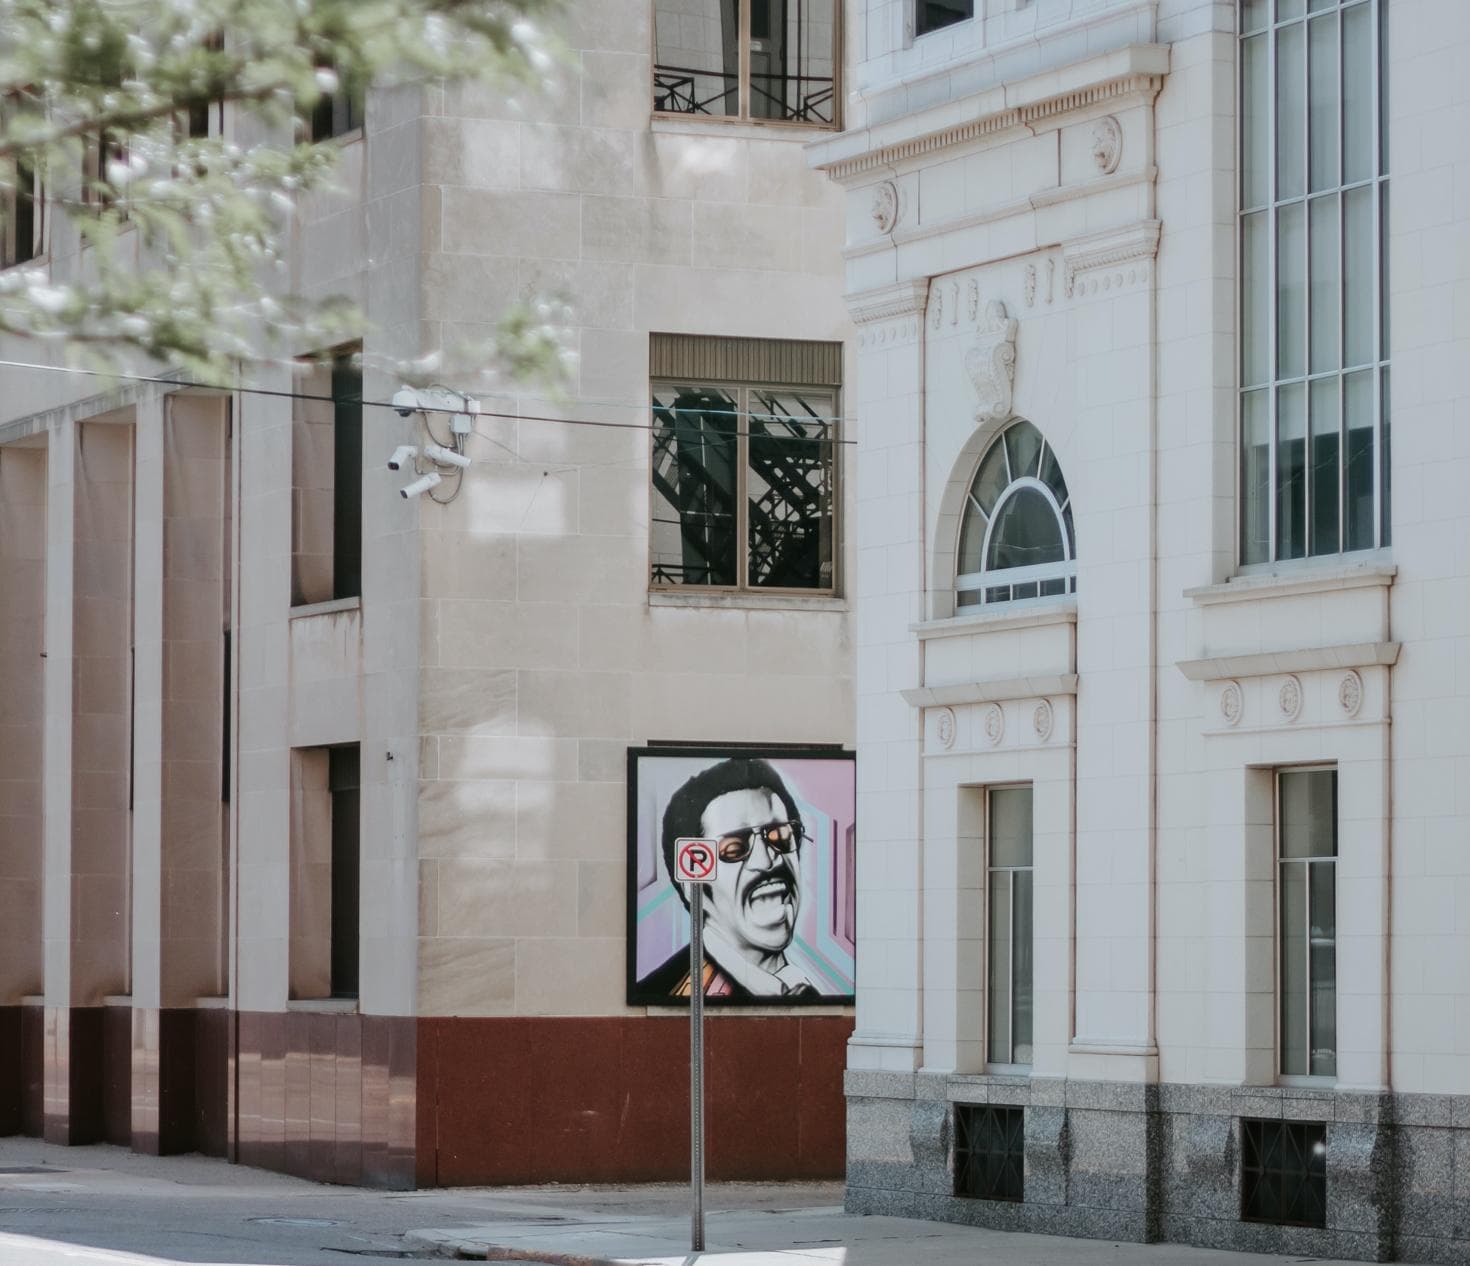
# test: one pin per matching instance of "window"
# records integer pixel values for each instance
(1314, 420)
(1010, 930)
(326, 481)
(770, 60)
(1283, 1172)
(744, 472)
(338, 112)
(989, 1152)
(1017, 524)
(932, 15)
(1306, 819)
(22, 218)
(325, 871)
(204, 116)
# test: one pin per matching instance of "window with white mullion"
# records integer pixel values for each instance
(1306, 831)
(1010, 926)
(1313, 473)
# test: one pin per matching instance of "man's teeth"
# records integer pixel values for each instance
(770, 890)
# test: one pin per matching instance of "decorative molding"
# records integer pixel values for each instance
(945, 727)
(1107, 144)
(1029, 286)
(1029, 614)
(1137, 70)
(1042, 720)
(1350, 693)
(996, 690)
(1232, 703)
(1104, 252)
(991, 364)
(906, 298)
(1307, 660)
(885, 206)
(972, 299)
(994, 724)
(1289, 697)
(1289, 584)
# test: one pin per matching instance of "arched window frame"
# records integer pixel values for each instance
(998, 585)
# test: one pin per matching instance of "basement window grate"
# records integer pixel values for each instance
(1283, 1172)
(990, 1152)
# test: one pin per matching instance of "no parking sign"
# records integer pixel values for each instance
(695, 860)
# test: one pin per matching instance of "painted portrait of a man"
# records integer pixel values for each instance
(778, 917)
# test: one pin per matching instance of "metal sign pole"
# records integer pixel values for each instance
(696, 1061)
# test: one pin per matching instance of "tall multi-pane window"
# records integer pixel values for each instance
(1010, 926)
(1314, 419)
(1306, 826)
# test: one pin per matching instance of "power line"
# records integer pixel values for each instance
(426, 409)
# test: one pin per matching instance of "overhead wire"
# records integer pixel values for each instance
(276, 393)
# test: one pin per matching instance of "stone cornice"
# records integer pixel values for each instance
(1138, 69)
(906, 298)
(1278, 663)
(1106, 250)
(994, 691)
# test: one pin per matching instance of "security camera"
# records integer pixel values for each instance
(445, 456)
(402, 455)
(421, 486)
(406, 401)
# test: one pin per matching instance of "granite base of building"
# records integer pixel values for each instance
(1147, 1163)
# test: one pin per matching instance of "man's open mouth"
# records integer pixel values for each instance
(774, 888)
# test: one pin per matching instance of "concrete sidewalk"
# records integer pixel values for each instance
(793, 1237)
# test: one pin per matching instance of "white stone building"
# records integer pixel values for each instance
(1163, 707)
(253, 645)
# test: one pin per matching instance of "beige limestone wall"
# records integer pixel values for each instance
(102, 630)
(22, 711)
(544, 655)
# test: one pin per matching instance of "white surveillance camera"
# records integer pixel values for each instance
(445, 456)
(402, 455)
(406, 401)
(421, 486)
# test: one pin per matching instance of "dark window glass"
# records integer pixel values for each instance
(696, 459)
(346, 477)
(1026, 532)
(931, 15)
(1283, 1172)
(343, 783)
(989, 1152)
(789, 493)
(339, 112)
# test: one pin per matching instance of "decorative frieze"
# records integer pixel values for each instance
(889, 315)
(1110, 261)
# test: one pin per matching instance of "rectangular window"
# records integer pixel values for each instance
(325, 871)
(22, 212)
(1283, 1172)
(989, 1152)
(769, 60)
(932, 15)
(338, 112)
(342, 783)
(1313, 280)
(1306, 818)
(744, 472)
(326, 480)
(1008, 873)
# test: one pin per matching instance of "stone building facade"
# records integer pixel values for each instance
(312, 798)
(1161, 711)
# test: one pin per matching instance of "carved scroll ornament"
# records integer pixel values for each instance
(991, 364)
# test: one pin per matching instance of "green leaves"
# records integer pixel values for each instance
(176, 246)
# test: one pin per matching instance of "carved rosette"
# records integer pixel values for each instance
(1232, 703)
(995, 724)
(991, 364)
(885, 206)
(1042, 720)
(944, 725)
(1350, 693)
(1290, 698)
(1107, 144)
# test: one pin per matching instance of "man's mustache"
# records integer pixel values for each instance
(780, 873)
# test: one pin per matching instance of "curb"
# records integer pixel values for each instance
(445, 1244)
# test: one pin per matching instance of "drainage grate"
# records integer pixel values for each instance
(1283, 1172)
(990, 1152)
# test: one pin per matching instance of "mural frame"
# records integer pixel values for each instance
(637, 991)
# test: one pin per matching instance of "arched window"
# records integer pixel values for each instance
(1016, 536)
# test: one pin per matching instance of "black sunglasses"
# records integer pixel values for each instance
(780, 837)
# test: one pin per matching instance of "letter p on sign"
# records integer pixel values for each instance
(695, 860)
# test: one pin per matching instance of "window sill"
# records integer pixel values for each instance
(747, 601)
(329, 607)
(747, 129)
(1025, 614)
(1289, 580)
(333, 1006)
